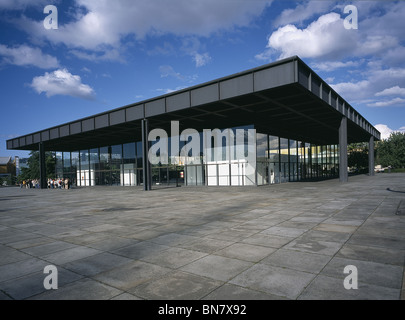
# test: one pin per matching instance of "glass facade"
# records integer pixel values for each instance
(231, 161)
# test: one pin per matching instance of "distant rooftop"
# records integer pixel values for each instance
(4, 160)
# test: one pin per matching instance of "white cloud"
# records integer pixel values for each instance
(379, 35)
(352, 90)
(168, 90)
(24, 55)
(201, 59)
(21, 4)
(391, 91)
(386, 131)
(326, 37)
(62, 82)
(102, 24)
(303, 12)
(396, 102)
(333, 65)
(375, 44)
(168, 71)
(106, 55)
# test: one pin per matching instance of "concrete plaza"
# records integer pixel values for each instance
(288, 241)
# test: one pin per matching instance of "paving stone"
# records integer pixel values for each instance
(216, 267)
(68, 255)
(140, 250)
(301, 261)
(4, 296)
(86, 289)
(112, 243)
(262, 242)
(246, 252)
(375, 254)
(21, 268)
(321, 289)
(379, 274)
(10, 255)
(314, 246)
(233, 292)
(335, 228)
(173, 239)
(174, 257)
(177, 286)
(33, 284)
(131, 274)
(126, 296)
(377, 241)
(273, 280)
(30, 243)
(329, 236)
(48, 248)
(267, 240)
(284, 232)
(96, 264)
(206, 245)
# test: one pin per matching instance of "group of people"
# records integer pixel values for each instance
(59, 183)
(52, 183)
(28, 184)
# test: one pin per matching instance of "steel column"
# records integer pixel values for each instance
(343, 174)
(147, 179)
(42, 167)
(371, 156)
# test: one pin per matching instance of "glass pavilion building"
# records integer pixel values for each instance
(273, 124)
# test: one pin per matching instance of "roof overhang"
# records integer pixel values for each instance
(285, 98)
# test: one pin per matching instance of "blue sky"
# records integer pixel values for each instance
(107, 54)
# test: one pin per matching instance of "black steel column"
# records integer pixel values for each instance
(371, 156)
(343, 174)
(147, 179)
(42, 167)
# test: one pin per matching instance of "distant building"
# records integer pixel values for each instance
(7, 167)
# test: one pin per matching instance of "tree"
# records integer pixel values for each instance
(32, 171)
(358, 156)
(391, 152)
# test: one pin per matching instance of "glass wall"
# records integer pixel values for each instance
(262, 153)
(293, 160)
(128, 166)
(116, 165)
(94, 166)
(239, 157)
(85, 176)
(274, 159)
(284, 158)
(59, 165)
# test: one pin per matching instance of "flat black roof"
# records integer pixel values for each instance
(285, 98)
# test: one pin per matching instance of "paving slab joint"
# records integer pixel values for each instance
(401, 208)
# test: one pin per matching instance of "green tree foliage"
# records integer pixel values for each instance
(391, 152)
(358, 156)
(32, 171)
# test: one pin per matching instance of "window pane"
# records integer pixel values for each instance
(128, 176)
(66, 162)
(104, 159)
(59, 164)
(284, 172)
